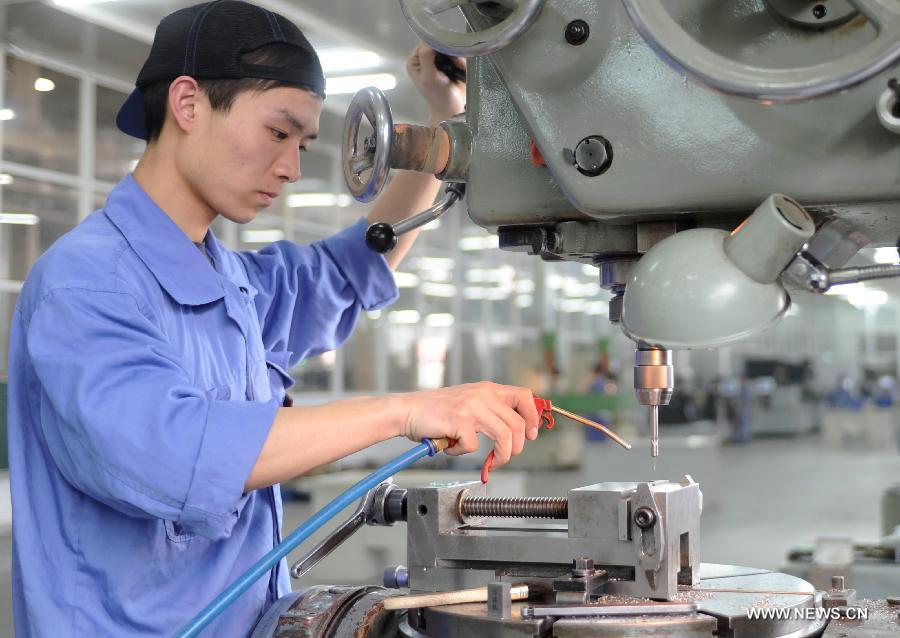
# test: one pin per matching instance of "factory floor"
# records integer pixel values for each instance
(775, 494)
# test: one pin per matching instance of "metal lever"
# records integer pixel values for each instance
(382, 237)
(375, 508)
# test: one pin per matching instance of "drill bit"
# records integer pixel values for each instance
(654, 431)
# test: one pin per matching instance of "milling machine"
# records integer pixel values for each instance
(634, 135)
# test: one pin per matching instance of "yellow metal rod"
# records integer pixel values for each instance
(592, 424)
(460, 596)
(770, 592)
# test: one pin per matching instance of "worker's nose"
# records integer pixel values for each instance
(287, 165)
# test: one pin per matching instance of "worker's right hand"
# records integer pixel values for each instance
(505, 414)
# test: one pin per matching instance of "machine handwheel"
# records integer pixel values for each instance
(422, 17)
(374, 157)
(666, 37)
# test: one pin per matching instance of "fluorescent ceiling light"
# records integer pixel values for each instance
(24, 219)
(525, 286)
(845, 289)
(404, 316)
(886, 255)
(569, 305)
(524, 301)
(7, 114)
(436, 263)
(493, 275)
(6, 179)
(262, 235)
(589, 270)
(479, 292)
(343, 59)
(319, 200)
(405, 279)
(438, 290)
(597, 308)
(44, 84)
(867, 297)
(433, 274)
(439, 320)
(353, 83)
(479, 242)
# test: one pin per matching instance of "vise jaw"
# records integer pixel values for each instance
(644, 536)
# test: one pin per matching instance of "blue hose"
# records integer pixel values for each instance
(267, 562)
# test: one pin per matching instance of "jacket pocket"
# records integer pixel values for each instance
(176, 533)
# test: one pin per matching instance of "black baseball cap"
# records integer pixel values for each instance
(207, 41)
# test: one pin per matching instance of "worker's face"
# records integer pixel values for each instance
(240, 160)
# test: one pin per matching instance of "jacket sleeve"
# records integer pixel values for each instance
(125, 424)
(309, 297)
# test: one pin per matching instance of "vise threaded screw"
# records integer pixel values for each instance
(521, 507)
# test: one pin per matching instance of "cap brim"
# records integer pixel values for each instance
(130, 119)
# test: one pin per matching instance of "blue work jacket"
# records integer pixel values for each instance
(143, 381)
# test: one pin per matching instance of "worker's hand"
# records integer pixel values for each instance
(505, 414)
(445, 98)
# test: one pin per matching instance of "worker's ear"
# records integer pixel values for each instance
(187, 102)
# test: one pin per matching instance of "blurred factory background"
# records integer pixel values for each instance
(793, 435)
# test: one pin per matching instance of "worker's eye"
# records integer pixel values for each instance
(279, 135)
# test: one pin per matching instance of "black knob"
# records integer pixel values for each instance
(577, 32)
(381, 237)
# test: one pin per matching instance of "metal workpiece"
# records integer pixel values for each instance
(445, 553)
(839, 595)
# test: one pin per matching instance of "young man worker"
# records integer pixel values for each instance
(147, 428)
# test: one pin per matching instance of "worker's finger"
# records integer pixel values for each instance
(495, 429)
(466, 442)
(513, 420)
(522, 401)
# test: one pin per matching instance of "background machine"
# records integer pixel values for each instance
(708, 157)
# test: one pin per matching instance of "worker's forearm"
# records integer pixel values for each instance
(407, 194)
(304, 438)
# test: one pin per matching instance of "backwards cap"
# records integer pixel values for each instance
(207, 41)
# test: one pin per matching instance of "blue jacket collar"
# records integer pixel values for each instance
(179, 267)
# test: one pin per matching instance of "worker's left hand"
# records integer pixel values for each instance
(445, 98)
